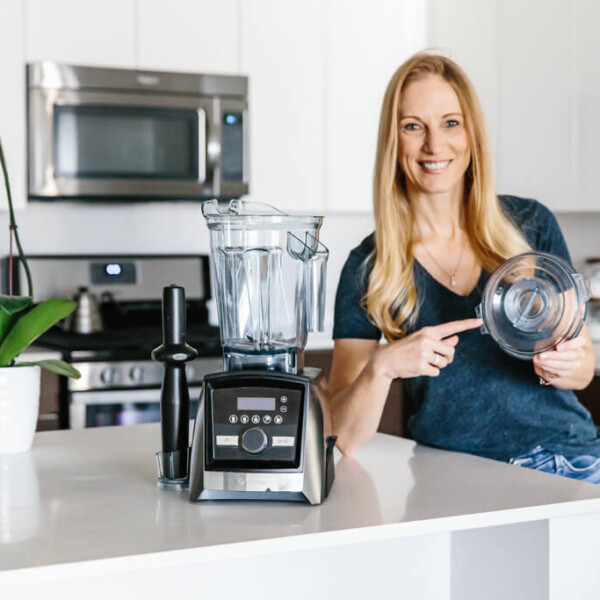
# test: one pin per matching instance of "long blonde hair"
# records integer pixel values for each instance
(391, 299)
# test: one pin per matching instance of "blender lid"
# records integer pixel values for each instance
(532, 302)
(246, 214)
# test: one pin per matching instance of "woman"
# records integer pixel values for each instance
(440, 231)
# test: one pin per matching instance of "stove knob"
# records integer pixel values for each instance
(109, 375)
(254, 440)
(136, 374)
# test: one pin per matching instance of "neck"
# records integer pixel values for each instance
(437, 215)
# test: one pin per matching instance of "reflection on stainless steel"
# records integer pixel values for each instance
(19, 498)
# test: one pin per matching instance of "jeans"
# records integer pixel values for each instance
(584, 468)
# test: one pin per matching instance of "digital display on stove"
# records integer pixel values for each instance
(245, 403)
(113, 273)
(113, 269)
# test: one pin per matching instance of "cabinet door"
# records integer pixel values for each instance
(585, 103)
(12, 102)
(282, 53)
(534, 112)
(81, 33)
(189, 35)
(365, 43)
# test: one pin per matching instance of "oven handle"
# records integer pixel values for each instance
(124, 396)
(201, 145)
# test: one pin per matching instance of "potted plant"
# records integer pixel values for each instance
(21, 323)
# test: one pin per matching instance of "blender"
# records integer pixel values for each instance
(259, 429)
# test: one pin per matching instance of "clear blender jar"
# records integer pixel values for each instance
(269, 270)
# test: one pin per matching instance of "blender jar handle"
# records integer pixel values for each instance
(583, 286)
(313, 255)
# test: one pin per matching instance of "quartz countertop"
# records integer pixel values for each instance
(86, 501)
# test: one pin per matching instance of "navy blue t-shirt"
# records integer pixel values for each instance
(485, 402)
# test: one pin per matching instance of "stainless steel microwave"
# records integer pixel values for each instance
(118, 134)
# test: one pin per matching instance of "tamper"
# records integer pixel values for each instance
(175, 398)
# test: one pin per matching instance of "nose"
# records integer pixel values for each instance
(433, 141)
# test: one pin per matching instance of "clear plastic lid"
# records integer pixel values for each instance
(532, 302)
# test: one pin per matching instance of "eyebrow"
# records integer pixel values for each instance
(443, 116)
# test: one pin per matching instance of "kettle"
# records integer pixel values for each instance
(86, 318)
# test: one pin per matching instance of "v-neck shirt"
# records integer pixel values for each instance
(485, 402)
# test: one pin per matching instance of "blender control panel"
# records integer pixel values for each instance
(258, 424)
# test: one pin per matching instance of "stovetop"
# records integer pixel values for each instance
(126, 343)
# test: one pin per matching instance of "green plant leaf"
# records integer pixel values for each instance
(30, 326)
(56, 366)
(10, 307)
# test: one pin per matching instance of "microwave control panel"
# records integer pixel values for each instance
(255, 425)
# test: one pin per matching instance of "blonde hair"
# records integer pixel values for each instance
(391, 299)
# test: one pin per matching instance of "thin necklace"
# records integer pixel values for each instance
(452, 276)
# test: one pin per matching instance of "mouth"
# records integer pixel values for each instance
(434, 167)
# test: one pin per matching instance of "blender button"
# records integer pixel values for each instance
(233, 418)
(255, 419)
(283, 399)
(244, 419)
(267, 419)
(278, 419)
(283, 409)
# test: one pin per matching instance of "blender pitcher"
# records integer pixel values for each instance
(269, 273)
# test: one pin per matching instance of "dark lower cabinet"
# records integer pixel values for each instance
(48, 417)
(395, 412)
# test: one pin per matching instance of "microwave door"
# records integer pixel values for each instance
(102, 144)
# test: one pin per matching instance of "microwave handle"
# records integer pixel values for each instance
(201, 145)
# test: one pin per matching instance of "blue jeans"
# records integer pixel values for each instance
(584, 468)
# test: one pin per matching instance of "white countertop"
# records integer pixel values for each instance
(86, 501)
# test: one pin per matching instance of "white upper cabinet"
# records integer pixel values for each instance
(585, 104)
(12, 101)
(533, 100)
(536, 66)
(81, 32)
(365, 43)
(282, 53)
(189, 35)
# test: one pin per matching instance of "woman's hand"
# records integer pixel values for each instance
(561, 362)
(424, 352)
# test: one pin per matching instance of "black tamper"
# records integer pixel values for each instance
(175, 398)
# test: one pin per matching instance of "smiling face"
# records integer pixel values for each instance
(433, 145)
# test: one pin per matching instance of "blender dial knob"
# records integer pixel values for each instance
(136, 374)
(254, 440)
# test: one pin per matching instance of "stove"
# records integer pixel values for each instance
(119, 383)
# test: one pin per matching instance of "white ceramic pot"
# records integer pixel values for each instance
(19, 406)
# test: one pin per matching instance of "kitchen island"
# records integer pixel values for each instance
(81, 517)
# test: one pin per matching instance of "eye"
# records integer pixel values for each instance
(411, 127)
(452, 123)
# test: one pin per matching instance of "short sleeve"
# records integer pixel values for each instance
(538, 224)
(350, 319)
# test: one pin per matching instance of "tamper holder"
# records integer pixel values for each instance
(173, 460)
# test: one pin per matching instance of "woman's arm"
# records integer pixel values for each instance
(362, 372)
(570, 366)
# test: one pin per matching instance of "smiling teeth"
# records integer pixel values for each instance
(436, 165)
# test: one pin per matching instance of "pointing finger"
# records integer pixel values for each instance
(453, 327)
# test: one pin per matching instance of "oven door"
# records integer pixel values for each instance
(129, 145)
(120, 407)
